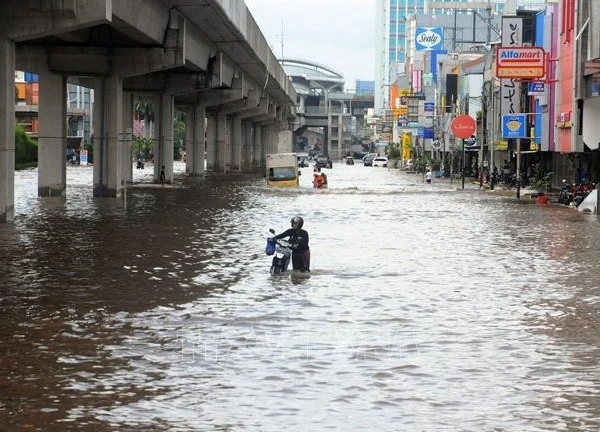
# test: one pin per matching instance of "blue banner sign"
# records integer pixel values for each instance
(429, 38)
(535, 88)
(514, 126)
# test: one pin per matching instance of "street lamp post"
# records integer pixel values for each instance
(463, 164)
(518, 168)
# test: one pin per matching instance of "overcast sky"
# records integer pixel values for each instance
(339, 34)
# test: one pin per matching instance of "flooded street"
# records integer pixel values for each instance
(427, 308)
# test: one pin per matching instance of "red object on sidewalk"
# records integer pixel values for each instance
(542, 199)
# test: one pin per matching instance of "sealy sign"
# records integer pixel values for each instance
(429, 38)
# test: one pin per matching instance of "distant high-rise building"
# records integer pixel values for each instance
(364, 88)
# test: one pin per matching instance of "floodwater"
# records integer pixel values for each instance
(428, 308)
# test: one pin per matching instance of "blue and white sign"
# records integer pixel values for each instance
(535, 88)
(428, 106)
(470, 142)
(514, 126)
(429, 38)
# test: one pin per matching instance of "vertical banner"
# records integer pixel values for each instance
(510, 89)
(451, 91)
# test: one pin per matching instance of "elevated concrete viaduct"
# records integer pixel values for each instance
(207, 57)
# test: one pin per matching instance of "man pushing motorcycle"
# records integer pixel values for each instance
(298, 238)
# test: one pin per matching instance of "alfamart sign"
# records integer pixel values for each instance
(429, 38)
(520, 62)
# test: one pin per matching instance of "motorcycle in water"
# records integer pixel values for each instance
(281, 251)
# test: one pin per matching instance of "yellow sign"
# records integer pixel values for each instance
(406, 146)
(395, 112)
(532, 72)
(501, 145)
(532, 144)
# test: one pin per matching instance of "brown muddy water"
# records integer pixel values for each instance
(427, 309)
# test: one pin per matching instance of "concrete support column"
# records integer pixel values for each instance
(7, 130)
(127, 137)
(108, 152)
(247, 147)
(211, 142)
(270, 139)
(163, 148)
(236, 143)
(52, 141)
(260, 154)
(196, 141)
(222, 141)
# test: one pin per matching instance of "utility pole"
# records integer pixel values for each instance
(281, 34)
(518, 168)
(282, 38)
(493, 131)
(454, 141)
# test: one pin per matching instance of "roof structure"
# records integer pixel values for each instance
(307, 75)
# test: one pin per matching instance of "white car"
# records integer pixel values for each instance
(380, 161)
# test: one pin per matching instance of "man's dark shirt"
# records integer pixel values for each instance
(297, 237)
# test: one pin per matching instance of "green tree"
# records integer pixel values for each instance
(393, 151)
(179, 127)
(142, 147)
(26, 150)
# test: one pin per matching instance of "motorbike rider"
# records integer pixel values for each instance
(298, 238)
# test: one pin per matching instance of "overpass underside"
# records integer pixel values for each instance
(207, 58)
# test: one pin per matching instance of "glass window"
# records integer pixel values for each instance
(282, 173)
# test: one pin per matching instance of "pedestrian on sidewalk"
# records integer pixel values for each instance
(162, 175)
(428, 176)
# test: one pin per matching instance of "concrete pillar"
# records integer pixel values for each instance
(269, 139)
(108, 152)
(259, 158)
(127, 137)
(163, 148)
(196, 141)
(247, 147)
(222, 140)
(52, 141)
(7, 130)
(236, 143)
(211, 142)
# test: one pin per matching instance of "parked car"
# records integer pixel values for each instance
(380, 161)
(324, 161)
(372, 155)
(368, 160)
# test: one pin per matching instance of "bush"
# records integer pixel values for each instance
(393, 151)
(26, 150)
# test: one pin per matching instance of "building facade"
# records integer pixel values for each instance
(393, 41)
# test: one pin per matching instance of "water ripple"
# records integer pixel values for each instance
(427, 308)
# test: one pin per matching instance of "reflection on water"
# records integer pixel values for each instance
(427, 309)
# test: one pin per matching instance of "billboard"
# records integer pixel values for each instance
(429, 38)
(520, 62)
